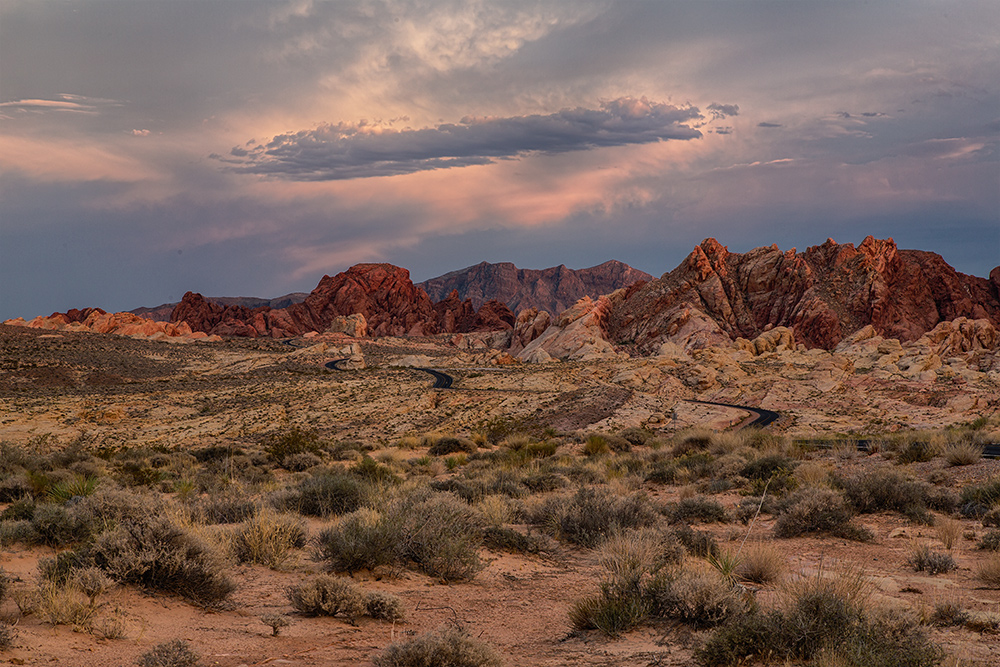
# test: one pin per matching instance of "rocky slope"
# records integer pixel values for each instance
(823, 295)
(163, 312)
(382, 293)
(552, 290)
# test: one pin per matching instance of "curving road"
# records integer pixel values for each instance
(335, 364)
(441, 380)
(764, 417)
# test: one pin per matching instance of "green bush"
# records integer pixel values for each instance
(444, 648)
(324, 595)
(156, 554)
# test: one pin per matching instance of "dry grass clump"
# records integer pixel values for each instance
(384, 606)
(949, 531)
(174, 653)
(761, 563)
(979, 499)
(451, 445)
(962, 453)
(448, 646)
(988, 571)
(268, 538)
(990, 541)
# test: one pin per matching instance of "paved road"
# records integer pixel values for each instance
(764, 417)
(441, 380)
(335, 364)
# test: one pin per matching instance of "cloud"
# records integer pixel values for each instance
(723, 110)
(347, 151)
(140, 133)
(768, 125)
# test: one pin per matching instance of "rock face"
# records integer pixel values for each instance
(553, 290)
(384, 297)
(576, 335)
(163, 312)
(821, 295)
(95, 320)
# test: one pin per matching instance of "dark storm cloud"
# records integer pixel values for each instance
(766, 124)
(339, 152)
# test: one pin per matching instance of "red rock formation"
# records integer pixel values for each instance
(553, 290)
(823, 294)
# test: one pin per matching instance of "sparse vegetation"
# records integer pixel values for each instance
(324, 595)
(175, 653)
(443, 647)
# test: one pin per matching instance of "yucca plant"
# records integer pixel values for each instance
(79, 485)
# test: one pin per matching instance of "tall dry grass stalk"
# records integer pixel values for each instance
(988, 571)
(949, 531)
(962, 453)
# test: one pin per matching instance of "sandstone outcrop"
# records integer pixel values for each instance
(554, 289)
(821, 295)
(352, 325)
(95, 320)
(576, 335)
(381, 294)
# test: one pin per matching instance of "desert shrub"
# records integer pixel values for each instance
(326, 494)
(822, 618)
(324, 595)
(474, 488)
(948, 613)
(749, 507)
(617, 609)
(990, 541)
(8, 633)
(17, 531)
(590, 515)
(63, 604)
(544, 480)
(924, 559)
(364, 539)
(696, 542)
(441, 535)
(110, 506)
(760, 563)
(596, 445)
(294, 441)
(696, 508)
(268, 538)
(816, 510)
(438, 533)
(883, 490)
(917, 451)
(451, 445)
(174, 653)
(962, 453)
(301, 462)
(979, 499)
(57, 525)
(157, 554)
(696, 597)
(989, 520)
(230, 507)
(988, 571)
(60, 567)
(373, 472)
(78, 486)
(384, 606)
(443, 647)
(504, 538)
(773, 472)
(275, 622)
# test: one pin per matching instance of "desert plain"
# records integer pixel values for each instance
(248, 422)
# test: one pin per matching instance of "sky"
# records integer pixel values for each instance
(242, 148)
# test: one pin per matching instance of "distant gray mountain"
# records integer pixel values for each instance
(162, 313)
(553, 289)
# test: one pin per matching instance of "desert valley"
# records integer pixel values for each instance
(248, 482)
